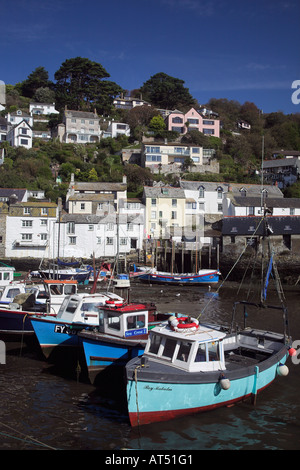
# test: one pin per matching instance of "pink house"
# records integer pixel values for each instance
(192, 120)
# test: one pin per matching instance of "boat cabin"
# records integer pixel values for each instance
(125, 321)
(6, 275)
(84, 308)
(194, 351)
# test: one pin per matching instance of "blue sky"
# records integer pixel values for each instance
(244, 51)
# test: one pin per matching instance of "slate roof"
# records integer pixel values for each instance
(247, 226)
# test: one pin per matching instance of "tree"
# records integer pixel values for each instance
(157, 124)
(39, 78)
(164, 91)
(79, 85)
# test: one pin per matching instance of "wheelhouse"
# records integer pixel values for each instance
(200, 351)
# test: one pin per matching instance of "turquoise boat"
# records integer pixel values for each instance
(188, 367)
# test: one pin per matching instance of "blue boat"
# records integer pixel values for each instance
(77, 312)
(121, 335)
(188, 367)
(203, 277)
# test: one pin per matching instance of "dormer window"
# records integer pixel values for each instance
(243, 192)
(201, 192)
(220, 192)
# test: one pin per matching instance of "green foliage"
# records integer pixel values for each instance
(166, 92)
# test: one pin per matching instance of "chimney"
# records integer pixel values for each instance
(124, 179)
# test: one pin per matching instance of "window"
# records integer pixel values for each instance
(220, 192)
(123, 241)
(71, 227)
(251, 210)
(109, 241)
(26, 236)
(174, 202)
(153, 202)
(130, 227)
(292, 211)
(110, 226)
(201, 192)
(26, 223)
(44, 211)
(220, 207)
(195, 150)
(154, 344)
(44, 236)
(135, 321)
(208, 131)
(177, 120)
(43, 222)
(24, 131)
(113, 321)
(91, 227)
(98, 240)
(183, 352)
(208, 123)
(26, 210)
(72, 240)
(174, 215)
(82, 206)
(193, 121)
(153, 214)
(169, 348)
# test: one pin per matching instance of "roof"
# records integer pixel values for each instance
(8, 192)
(208, 186)
(98, 186)
(255, 189)
(164, 192)
(282, 162)
(270, 202)
(103, 197)
(81, 114)
(248, 226)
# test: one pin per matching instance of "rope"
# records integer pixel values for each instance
(237, 261)
(34, 441)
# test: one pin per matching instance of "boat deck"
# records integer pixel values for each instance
(244, 358)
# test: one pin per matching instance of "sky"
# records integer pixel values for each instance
(242, 51)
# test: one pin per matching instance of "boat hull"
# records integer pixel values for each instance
(101, 352)
(16, 322)
(162, 400)
(181, 279)
(53, 334)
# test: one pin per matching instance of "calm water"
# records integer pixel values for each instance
(42, 408)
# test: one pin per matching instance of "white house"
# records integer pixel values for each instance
(20, 135)
(29, 230)
(18, 116)
(115, 129)
(42, 108)
(204, 197)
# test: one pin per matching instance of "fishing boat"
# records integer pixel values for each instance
(66, 271)
(188, 367)
(77, 312)
(20, 301)
(202, 277)
(121, 335)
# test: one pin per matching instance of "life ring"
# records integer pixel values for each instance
(114, 303)
(179, 324)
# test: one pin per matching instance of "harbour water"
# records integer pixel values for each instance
(43, 407)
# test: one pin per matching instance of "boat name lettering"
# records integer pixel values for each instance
(164, 389)
(140, 331)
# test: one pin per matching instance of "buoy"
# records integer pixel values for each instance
(282, 370)
(225, 383)
(292, 352)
